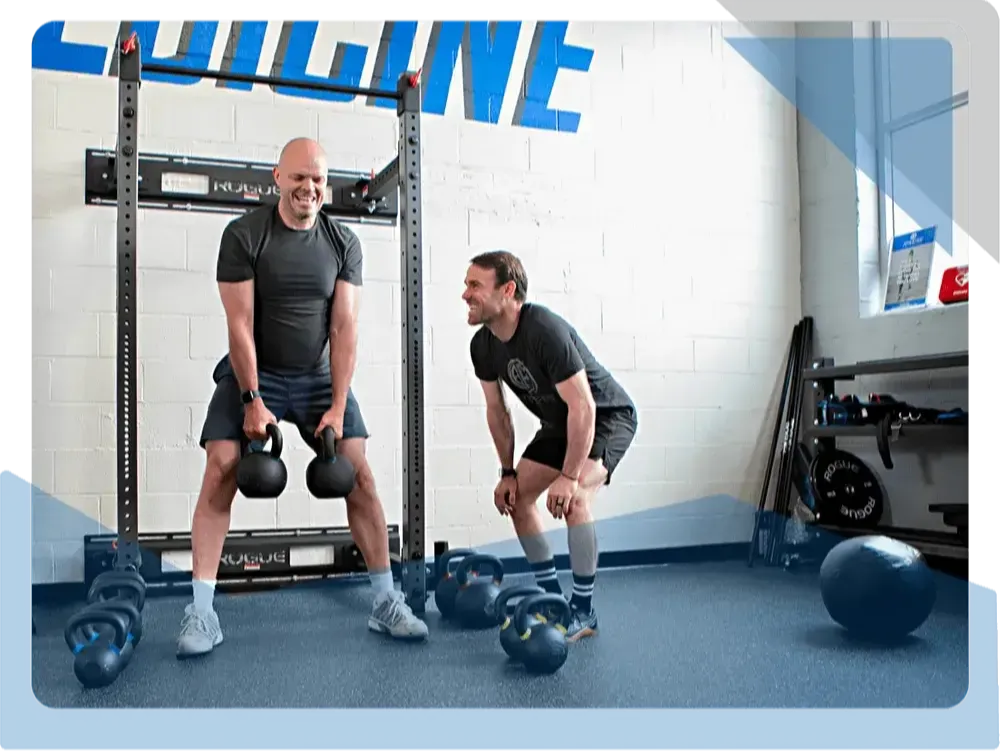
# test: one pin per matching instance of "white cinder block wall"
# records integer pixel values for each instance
(839, 219)
(665, 227)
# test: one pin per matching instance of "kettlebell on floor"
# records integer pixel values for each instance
(509, 638)
(329, 475)
(476, 597)
(544, 647)
(262, 474)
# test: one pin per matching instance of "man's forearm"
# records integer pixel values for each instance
(343, 360)
(579, 438)
(502, 430)
(243, 355)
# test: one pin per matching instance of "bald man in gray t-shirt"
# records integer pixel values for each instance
(290, 278)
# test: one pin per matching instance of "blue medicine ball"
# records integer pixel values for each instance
(876, 587)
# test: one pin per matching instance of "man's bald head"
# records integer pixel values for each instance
(301, 178)
(301, 149)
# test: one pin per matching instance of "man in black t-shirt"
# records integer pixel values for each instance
(587, 421)
(290, 280)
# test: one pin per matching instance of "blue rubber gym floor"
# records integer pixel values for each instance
(672, 636)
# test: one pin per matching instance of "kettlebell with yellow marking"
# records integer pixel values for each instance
(544, 647)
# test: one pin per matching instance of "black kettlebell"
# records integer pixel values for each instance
(262, 474)
(118, 585)
(98, 658)
(476, 598)
(447, 585)
(509, 639)
(544, 648)
(329, 475)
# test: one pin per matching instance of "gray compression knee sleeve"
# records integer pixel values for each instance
(536, 548)
(583, 549)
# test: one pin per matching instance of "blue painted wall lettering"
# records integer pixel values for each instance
(292, 56)
(549, 52)
(194, 48)
(439, 64)
(392, 59)
(484, 49)
(243, 51)
(486, 63)
(50, 52)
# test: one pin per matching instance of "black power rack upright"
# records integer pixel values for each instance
(131, 180)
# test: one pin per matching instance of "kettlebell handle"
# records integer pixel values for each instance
(469, 562)
(500, 604)
(441, 565)
(328, 444)
(539, 604)
(275, 437)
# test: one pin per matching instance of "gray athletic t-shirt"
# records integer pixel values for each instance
(295, 272)
(544, 351)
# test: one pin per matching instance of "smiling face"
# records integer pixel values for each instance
(301, 178)
(494, 283)
(483, 296)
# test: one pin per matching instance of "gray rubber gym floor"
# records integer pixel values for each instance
(691, 635)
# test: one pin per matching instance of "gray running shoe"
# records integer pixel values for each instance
(391, 615)
(200, 633)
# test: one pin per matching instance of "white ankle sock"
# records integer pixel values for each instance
(381, 581)
(204, 594)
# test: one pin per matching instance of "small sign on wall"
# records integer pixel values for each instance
(910, 269)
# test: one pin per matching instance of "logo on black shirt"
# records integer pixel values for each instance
(520, 377)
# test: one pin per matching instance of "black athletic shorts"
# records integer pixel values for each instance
(299, 399)
(613, 434)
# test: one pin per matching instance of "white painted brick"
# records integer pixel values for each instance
(613, 351)
(165, 512)
(631, 315)
(721, 355)
(381, 260)
(253, 513)
(162, 242)
(665, 427)
(265, 124)
(83, 379)
(85, 471)
(447, 387)
(209, 337)
(665, 355)
(377, 304)
(43, 469)
(180, 292)
(481, 145)
(163, 337)
(160, 426)
(447, 466)
(322, 512)
(62, 426)
(459, 506)
(376, 387)
(173, 470)
(41, 379)
(66, 334)
(583, 311)
(83, 289)
(181, 381)
(71, 239)
(56, 155)
(460, 426)
(372, 137)
(215, 120)
(43, 105)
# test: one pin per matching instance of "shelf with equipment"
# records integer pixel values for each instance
(853, 503)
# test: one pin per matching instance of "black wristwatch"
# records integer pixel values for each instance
(248, 396)
(504, 472)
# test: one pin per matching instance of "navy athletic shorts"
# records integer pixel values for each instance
(613, 435)
(300, 399)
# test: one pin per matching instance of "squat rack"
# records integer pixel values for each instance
(403, 174)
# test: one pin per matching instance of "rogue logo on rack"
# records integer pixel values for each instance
(486, 51)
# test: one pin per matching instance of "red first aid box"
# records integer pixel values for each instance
(955, 285)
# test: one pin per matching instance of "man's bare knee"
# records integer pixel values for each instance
(221, 459)
(353, 449)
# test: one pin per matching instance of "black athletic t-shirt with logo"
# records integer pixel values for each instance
(545, 350)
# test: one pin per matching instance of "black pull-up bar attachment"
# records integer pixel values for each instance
(403, 172)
